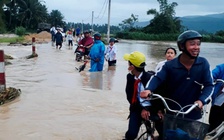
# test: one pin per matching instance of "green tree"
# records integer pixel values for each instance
(31, 11)
(2, 9)
(26, 13)
(11, 14)
(129, 22)
(164, 20)
(56, 18)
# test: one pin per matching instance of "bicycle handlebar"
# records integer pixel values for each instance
(175, 111)
(219, 80)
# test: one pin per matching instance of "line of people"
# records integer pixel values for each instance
(92, 48)
(96, 51)
(186, 79)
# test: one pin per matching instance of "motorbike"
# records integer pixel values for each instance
(79, 53)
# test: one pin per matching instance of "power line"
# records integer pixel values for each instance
(105, 5)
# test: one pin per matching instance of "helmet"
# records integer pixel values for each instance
(112, 40)
(97, 36)
(87, 31)
(187, 35)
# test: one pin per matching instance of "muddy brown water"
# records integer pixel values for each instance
(59, 103)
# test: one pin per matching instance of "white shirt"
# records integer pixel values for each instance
(142, 101)
(70, 37)
(160, 65)
(111, 52)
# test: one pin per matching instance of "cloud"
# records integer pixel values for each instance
(81, 11)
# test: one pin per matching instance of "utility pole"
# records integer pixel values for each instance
(108, 26)
(82, 26)
(92, 19)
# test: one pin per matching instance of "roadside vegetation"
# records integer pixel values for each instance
(12, 39)
(165, 26)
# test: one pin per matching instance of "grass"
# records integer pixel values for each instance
(11, 39)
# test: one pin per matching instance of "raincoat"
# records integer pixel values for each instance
(97, 56)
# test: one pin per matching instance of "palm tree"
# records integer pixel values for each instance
(31, 10)
(56, 18)
(2, 24)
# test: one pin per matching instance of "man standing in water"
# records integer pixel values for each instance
(97, 54)
(58, 39)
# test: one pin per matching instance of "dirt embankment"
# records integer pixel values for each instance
(42, 37)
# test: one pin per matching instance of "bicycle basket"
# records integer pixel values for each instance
(177, 128)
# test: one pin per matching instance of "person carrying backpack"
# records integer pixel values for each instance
(137, 79)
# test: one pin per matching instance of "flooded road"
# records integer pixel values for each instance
(59, 103)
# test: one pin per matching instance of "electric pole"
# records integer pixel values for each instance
(82, 26)
(92, 19)
(108, 26)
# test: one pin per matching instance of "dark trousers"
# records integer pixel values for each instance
(112, 63)
(70, 43)
(216, 116)
(135, 121)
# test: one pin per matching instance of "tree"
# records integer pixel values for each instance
(164, 21)
(56, 18)
(10, 14)
(31, 11)
(129, 22)
(2, 9)
(26, 13)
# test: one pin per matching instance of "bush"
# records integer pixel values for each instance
(20, 31)
(144, 36)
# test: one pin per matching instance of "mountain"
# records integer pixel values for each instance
(209, 23)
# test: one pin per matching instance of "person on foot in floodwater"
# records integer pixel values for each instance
(70, 39)
(111, 53)
(53, 32)
(216, 116)
(136, 82)
(58, 39)
(97, 54)
(170, 54)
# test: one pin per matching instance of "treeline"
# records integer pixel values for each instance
(96, 27)
(28, 13)
(164, 26)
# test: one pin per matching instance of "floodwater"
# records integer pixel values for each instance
(59, 103)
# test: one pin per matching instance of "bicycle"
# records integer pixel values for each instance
(217, 133)
(147, 129)
(180, 128)
(191, 129)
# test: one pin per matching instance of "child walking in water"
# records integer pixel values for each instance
(70, 40)
(111, 52)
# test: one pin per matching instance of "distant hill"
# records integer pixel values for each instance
(209, 23)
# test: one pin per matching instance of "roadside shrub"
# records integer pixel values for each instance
(144, 36)
(20, 31)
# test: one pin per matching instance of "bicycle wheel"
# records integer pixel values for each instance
(143, 135)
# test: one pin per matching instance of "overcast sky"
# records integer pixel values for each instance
(81, 10)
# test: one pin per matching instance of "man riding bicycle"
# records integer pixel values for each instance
(187, 78)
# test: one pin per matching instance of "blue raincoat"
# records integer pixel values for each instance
(97, 56)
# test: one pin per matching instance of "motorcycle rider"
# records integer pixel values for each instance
(86, 42)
